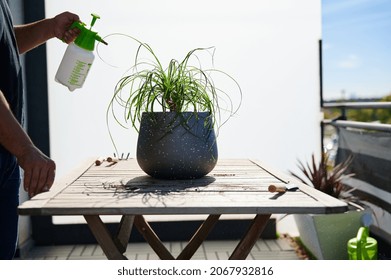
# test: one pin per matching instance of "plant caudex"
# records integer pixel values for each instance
(181, 87)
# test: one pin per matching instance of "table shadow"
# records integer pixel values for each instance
(151, 188)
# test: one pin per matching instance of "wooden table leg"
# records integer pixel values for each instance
(150, 236)
(123, 234)
(104, 238)
(199, 237)
(250, 238)
(156, 244)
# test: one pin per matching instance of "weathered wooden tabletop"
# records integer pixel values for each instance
(235, 186)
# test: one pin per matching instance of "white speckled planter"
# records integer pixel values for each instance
(326, 236)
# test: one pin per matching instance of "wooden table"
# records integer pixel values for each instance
(235, 186)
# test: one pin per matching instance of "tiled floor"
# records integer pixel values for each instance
(264, 249)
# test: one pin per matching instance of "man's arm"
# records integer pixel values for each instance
(39, 170)
(29, 36)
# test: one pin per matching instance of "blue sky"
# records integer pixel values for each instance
(356, 38)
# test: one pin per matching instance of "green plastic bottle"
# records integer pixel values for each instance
(78, 57)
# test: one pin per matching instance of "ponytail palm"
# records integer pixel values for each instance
(180, 87)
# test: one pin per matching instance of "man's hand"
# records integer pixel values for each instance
(61, 27)
(39, 171)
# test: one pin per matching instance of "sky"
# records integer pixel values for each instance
(356, 41)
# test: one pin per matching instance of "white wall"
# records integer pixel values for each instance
(270, 47)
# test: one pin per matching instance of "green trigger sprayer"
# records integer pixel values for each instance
(78, 56)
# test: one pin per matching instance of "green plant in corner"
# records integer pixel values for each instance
(323, 176)
(182, 86)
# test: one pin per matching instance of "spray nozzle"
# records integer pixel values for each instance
(87, 37)
(94, 18)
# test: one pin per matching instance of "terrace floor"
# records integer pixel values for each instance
(283, 248)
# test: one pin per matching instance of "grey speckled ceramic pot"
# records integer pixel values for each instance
(176, 146)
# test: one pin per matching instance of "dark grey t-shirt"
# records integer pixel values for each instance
(11, 83)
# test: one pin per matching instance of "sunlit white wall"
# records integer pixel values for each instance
(270, 47)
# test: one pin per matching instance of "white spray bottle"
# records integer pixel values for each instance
(78, 56)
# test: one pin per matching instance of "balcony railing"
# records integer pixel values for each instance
(342, 121)
(368, 143)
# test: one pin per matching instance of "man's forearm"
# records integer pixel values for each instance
(29, 36)
(34, 34)
(12, 135)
